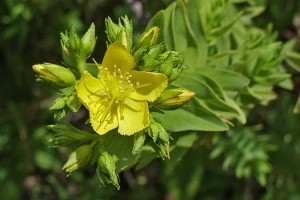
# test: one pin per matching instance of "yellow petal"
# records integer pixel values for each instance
(103, 115)
(149, 85)
(87, 89)
(109, 122)
(133, 116)
(116, 55)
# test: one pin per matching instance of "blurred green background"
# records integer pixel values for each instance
(30, 34)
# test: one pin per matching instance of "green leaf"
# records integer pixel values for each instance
(259, 94)
(120, 147)
(193, 117)
(182, 33)
(217, 32)
(210, 94)
(231, 82)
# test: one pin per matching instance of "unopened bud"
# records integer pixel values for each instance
(67, 135)
(148, 38)
(176, 72)
(167, 66)
(113, 31)
(88, 41)
(74, 42)
(174, 98)
(79, 158)
(55, 74)
(120, 33)
(69, 57)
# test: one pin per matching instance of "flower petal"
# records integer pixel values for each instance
(150, 85)
(103, 115)
(88, 89)
(116, 54)
(109, 122)
(133, 116)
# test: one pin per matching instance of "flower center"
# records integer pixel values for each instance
(116, 84)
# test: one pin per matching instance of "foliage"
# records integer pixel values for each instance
(235, 68)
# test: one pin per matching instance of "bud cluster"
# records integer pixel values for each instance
(75, 50)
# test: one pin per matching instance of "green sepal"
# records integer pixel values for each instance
(106, 170)
(88, 41)
(58, 104)
(138, 141)
(73, 103)
(79, 158)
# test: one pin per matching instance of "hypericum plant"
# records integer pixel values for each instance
(135, 95)
(120, 93)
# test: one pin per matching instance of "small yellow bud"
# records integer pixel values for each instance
(55, 74)
(174, 98)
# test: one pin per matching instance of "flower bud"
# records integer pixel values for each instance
(88, 41)
(120, 33)
(55, 74)
(167, 66)
(113, 31)
(75, 51)
(79, 158)
(74, 42)
(150, 60)
(106, 170)
(176, 72)
(69, 57)
(174, 98)
(67, 135)
(148, 38)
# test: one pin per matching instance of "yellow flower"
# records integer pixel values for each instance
(119, 96)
